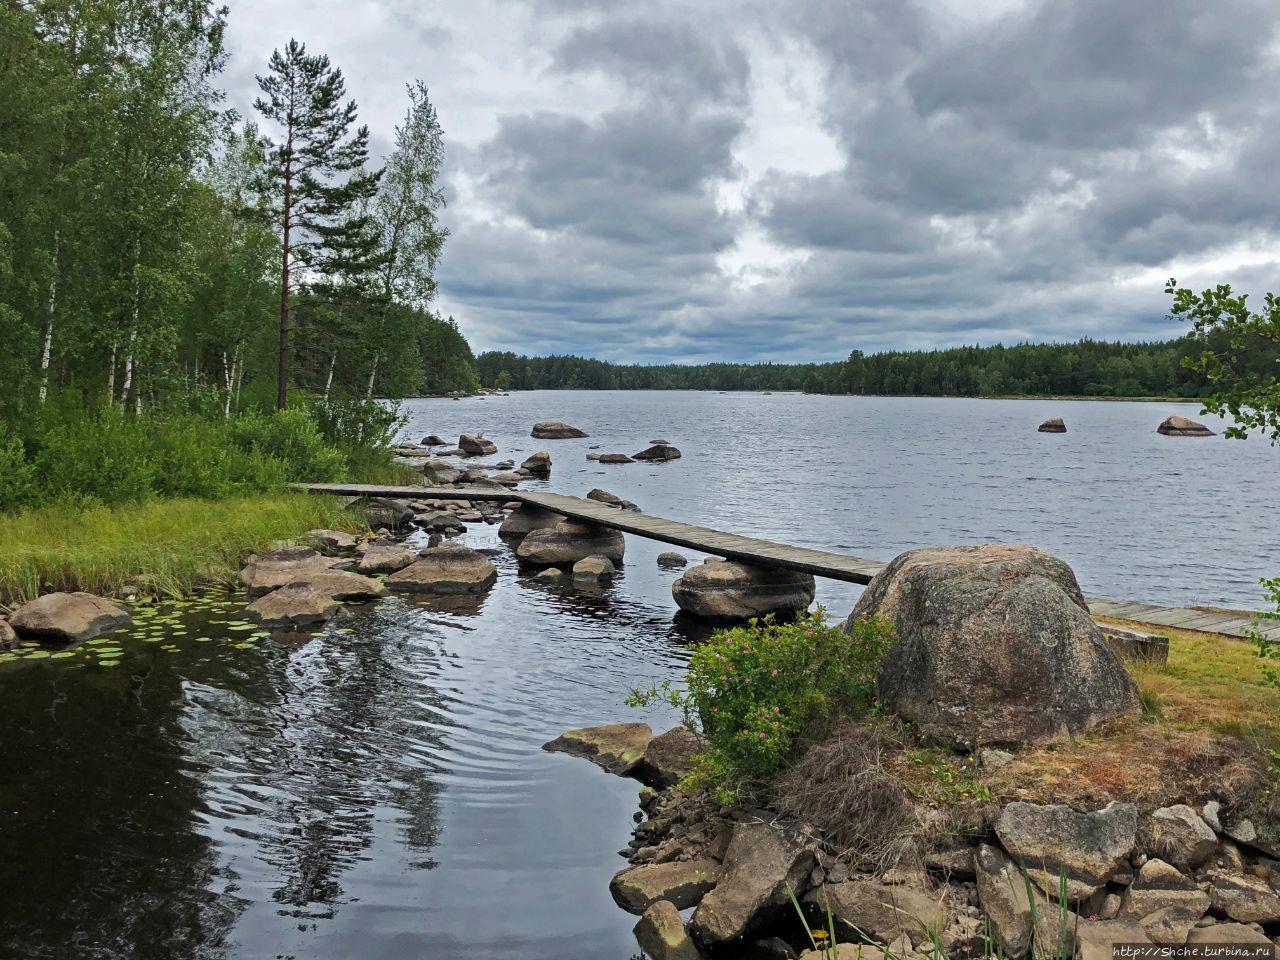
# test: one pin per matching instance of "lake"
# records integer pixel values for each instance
(378, 790)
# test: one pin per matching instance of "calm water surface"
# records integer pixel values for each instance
(378, 790)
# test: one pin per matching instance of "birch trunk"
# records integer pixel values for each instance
(47, 352)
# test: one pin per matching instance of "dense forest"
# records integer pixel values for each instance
(1087, 368)
(158, 250)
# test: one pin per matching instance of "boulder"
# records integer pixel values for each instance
(659, 451)
(331, 542)
(473, 445)
(1006, 900)
(441, 473)
(7, 636)
(570, 541)
(1161, 886)
(879, 910)
(294, 605)
(618, 747)
(1094, 939)
(1169, 926)
(555, 430)
(526, 518)
(611, 458)
(507, 479)
(1182, 427)
(273, 569)
(431, 440)
(385, 558)
(731, 590)
(67, 618)
(538, 464)
(341, 584)
(683, 883)
(1048, 841)
(1136, 645)
(1245, 899)
(1053, 425)
(670, 560)
(763, 862)
(604, 496)
(448, 568)
(392, 514)
(438, 521)
(668, 757)
(995, 645)
(662, 936)
(1234, 933)
(594, 569)
(549, 575)
(1179, 836)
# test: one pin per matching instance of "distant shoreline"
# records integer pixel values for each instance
(1195, 401)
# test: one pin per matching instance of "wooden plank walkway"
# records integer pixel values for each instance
(819, 563)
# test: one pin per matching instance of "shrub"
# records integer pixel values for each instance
(17, 475)
(753, 691)
(292, 437)
(104, 456)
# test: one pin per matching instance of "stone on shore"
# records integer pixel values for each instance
(570, 541)
(618, 747)
(1095, 939)
(538, 464)
(727, 590)
(555, 430)
(273, 569)
(662, 936)
(525, 519)
(995, 645)
(392, 514)
(1245, 899)
(473, 445)
(1161, 886)
(1053, 425)
(1182, 427)
(67, 618)
(668, 757)
(1178, 835)
(593, 569)
(331, 542)
(1004, 899)
(441, 473)
(683, 883)
(7, 636)
(764, 860)
(670, 560)
(294, 605)
(431, 440)
(385, 558)
(446, 569)
(1090, 849)
(1234, 933)
(1136, 645)
(879, 910)
(659, 452)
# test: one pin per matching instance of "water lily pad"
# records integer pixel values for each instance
(244, 646)
(108, 663)
(38, 655)
(62, 655)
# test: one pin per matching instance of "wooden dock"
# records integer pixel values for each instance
(819, 563)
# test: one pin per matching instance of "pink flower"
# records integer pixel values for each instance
(774, 672)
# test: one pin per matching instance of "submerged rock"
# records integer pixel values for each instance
(294, 605)
(731, 590)
(1182, 427)
(1050, 842)
(618, 747)
(995, 645)
(1053, 425)
(555, 430)
(473, 445)
(570, 541)
(447, 568)
(683, 883)
(662, 936)
(659, 452)
(67, 618)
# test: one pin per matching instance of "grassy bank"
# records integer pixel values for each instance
(168, 546)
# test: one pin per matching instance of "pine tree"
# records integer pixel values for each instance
(316, 169)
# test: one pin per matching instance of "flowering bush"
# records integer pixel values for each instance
(754, 690)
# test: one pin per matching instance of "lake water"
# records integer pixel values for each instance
(190, 789)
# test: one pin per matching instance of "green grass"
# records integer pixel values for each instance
(165, 547)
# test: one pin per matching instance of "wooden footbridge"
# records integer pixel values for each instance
(819, 563)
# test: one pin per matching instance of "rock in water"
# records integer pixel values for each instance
(67, 617)
(391, 514)
(1049, 842)
(659, 452)
(596, 569)
(385, 558)
(539, 464)
(618, 747)
(448, 568)
(526, 518)
(1182, 427)
(1053, 425)
(683, 884)
(662, 936)
(555, 430)
(668, 757)
(670, 560)
(612, 458)
(604, 496)
(472, 445)
(570, 541)
(431, 440)
(293, 605)
(730, 590)
(995, 645)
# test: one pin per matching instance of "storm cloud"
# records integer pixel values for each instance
(792, 180)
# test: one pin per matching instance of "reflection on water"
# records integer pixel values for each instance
(379, 790)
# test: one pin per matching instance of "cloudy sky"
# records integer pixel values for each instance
(791, 180)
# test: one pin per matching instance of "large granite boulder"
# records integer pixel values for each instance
(728, 590)
(273, 569)
(1245, 899)
(1053, 425)
(1182, 427)
(539, 464)
(593, 570)
(447, 568)
(1050, 842)
(525, 519)
(67, 618)
(659, 452)
(570, 541)
(473, 445)
(683, 883)
(385, 558)
(618, 747)
(292, 606)
(995, 645)
(764, 861)
(555, 430)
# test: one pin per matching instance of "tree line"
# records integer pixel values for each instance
(158, 249)
(1085, 368)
